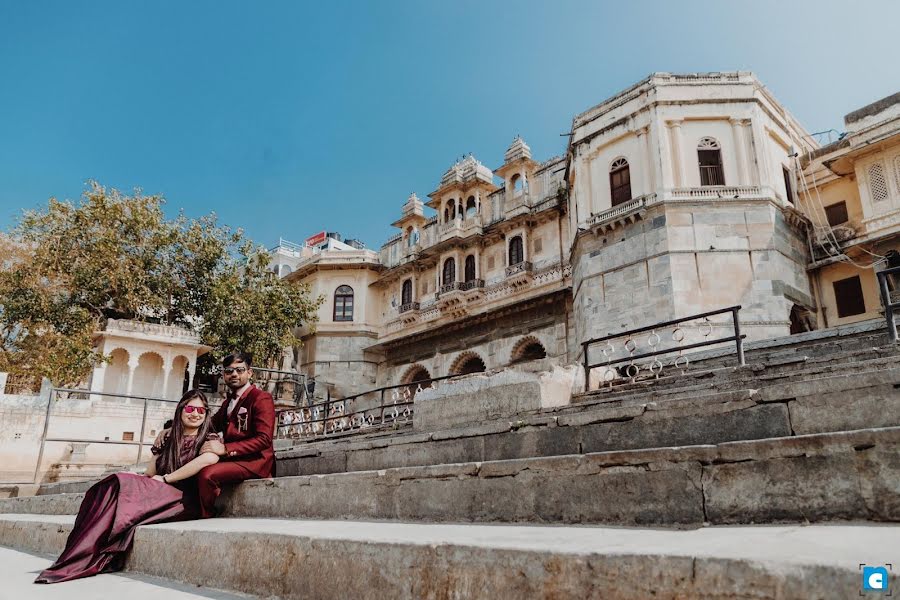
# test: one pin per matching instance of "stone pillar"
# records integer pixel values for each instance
(644, 148)
(678, 167)
(132, 366)
(737, 129)
(758, 136)
(3, 377)
(168, 367)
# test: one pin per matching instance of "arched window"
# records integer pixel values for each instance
(709, 155)
(450, 211)
(467, 364)
(285, 270)
(620, 181)
(471, 207)
(516, 251)
(406, 292)
(470, 268)
(343, 303)
(516, 183)
(449, 272)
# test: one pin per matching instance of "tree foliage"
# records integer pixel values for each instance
(68, 268)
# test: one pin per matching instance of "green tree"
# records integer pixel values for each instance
(70, 267)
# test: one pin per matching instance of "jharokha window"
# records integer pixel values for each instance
(516, 251)
(343, 303)
(709, 155)
(449, 272)
(470, 268)
(620, 181)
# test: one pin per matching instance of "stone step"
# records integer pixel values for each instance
(838, 403)
(823, 477)
(752, 375)
(338, 559)
(20, 568)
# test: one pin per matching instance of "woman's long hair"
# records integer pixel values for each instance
(169, 459)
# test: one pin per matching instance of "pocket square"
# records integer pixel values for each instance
(242, 410)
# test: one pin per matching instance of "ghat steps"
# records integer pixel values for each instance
(771, 480)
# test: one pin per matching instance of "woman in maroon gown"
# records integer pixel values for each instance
(115, 506)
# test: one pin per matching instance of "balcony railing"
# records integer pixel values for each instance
(717, 191)
(522, 267)
(472, 284)
(409, 306)
(448, 287)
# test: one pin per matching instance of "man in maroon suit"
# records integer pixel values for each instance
(247, 423)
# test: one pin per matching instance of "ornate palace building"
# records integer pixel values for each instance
(680, 195)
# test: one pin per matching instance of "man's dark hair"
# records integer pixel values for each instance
(244, 357)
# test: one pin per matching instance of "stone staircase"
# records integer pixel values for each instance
(776, 479)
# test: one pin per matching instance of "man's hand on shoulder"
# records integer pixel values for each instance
(214, 446)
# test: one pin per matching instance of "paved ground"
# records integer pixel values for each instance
(18, 570)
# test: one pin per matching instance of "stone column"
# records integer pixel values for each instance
(678, 169)
(3, 377)
(644, 147)
(737, 130)
(168, 367)
(758, 136)
(132, 366)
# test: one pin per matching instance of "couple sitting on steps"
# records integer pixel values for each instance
(192, 460)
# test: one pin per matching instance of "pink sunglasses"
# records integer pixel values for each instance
(200, 410)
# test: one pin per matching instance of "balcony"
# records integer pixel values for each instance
(472, 284)
(720, 192)
(623, 214)
(460, 228)
(519, 274)
(409, 306)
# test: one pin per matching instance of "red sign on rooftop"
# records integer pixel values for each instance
(315, 240)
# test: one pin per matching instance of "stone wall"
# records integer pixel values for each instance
(682, 259)
(94, 418)
(492, 339)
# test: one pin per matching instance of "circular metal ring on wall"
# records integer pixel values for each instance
(630, 345)
(632, 373)
(678, 334)
(705, 328)
(656, 366)
(653, 340)
(609, 374)
(681, 362)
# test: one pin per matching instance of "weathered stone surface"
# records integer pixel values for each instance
(804, 488)
(304, 559)
(861, 408)
(743, 423)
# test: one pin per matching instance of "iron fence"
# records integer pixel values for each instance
(346, 416)
(59, 395)
(679, 332)
(890, 298)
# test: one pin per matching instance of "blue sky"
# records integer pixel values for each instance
(286, 118)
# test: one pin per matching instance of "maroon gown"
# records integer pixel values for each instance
(111, 510)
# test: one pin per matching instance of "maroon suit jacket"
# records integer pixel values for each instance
(250, 445)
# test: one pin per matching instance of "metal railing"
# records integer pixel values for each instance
(889, 288)
(339, 416)
(58, 395)
(626, 353)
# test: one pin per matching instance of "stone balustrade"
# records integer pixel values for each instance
(158, 329)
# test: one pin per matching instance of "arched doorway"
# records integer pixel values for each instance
(115, 380)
